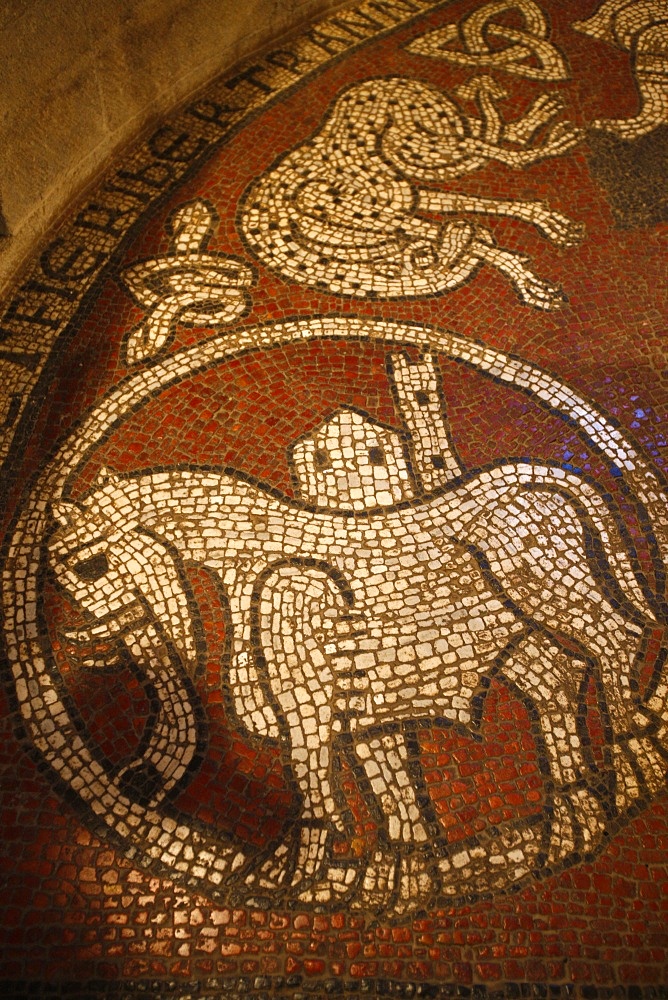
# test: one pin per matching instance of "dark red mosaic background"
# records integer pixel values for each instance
(73, 908)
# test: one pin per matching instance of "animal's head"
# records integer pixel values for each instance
(417, 125)
(119, 573)
(428, 138)
(426, 132)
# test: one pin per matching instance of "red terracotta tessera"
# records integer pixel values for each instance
(336, 527)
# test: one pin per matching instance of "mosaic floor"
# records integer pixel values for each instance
(336, 527)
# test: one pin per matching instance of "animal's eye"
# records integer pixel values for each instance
(93, 568)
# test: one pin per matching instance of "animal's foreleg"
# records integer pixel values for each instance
(311, 761)
(311, 766)
(562, 137)
(385, 763)
(402, 874)
(651, 71)
(553, 225)
(305, 698)
(304, 613)
(300, 866)
(173, 741)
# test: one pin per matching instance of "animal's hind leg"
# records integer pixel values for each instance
(530, 288)
(640, 732)
(574, 818)
(398, 876)
(541, 669)
(575, 590)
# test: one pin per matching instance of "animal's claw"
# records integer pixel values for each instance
(563, 136)
(538, 293)
(397, 885)
(554, 226)
(491, 864)
(337, 885)
(548, 105)
(628, 128)
(640, 767)
(561, 230)
(543, 110)
(416, 886)
(378, 882)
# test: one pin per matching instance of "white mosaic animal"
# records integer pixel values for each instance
(344, 623)
(358, 209)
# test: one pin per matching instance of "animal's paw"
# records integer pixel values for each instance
(558, 228)
(641, 768)
(562, 137)
(259, 885)
(538, 293)
(337, 885)
(295, 865)
(378, 882)
(543, 110)
(530, 288)
(397, 884)
(416, 886)
(492, 864)
(577, 824)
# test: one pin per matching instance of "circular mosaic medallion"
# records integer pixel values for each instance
(335, 555)
(316, 625)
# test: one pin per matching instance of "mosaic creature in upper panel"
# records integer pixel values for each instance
(393, 589)
(359, 209)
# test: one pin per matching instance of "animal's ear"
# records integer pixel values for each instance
(104, 476)
(65, 513)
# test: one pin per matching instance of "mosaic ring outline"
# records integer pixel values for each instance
(159, 838)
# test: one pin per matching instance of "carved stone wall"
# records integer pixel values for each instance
(80, 80)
